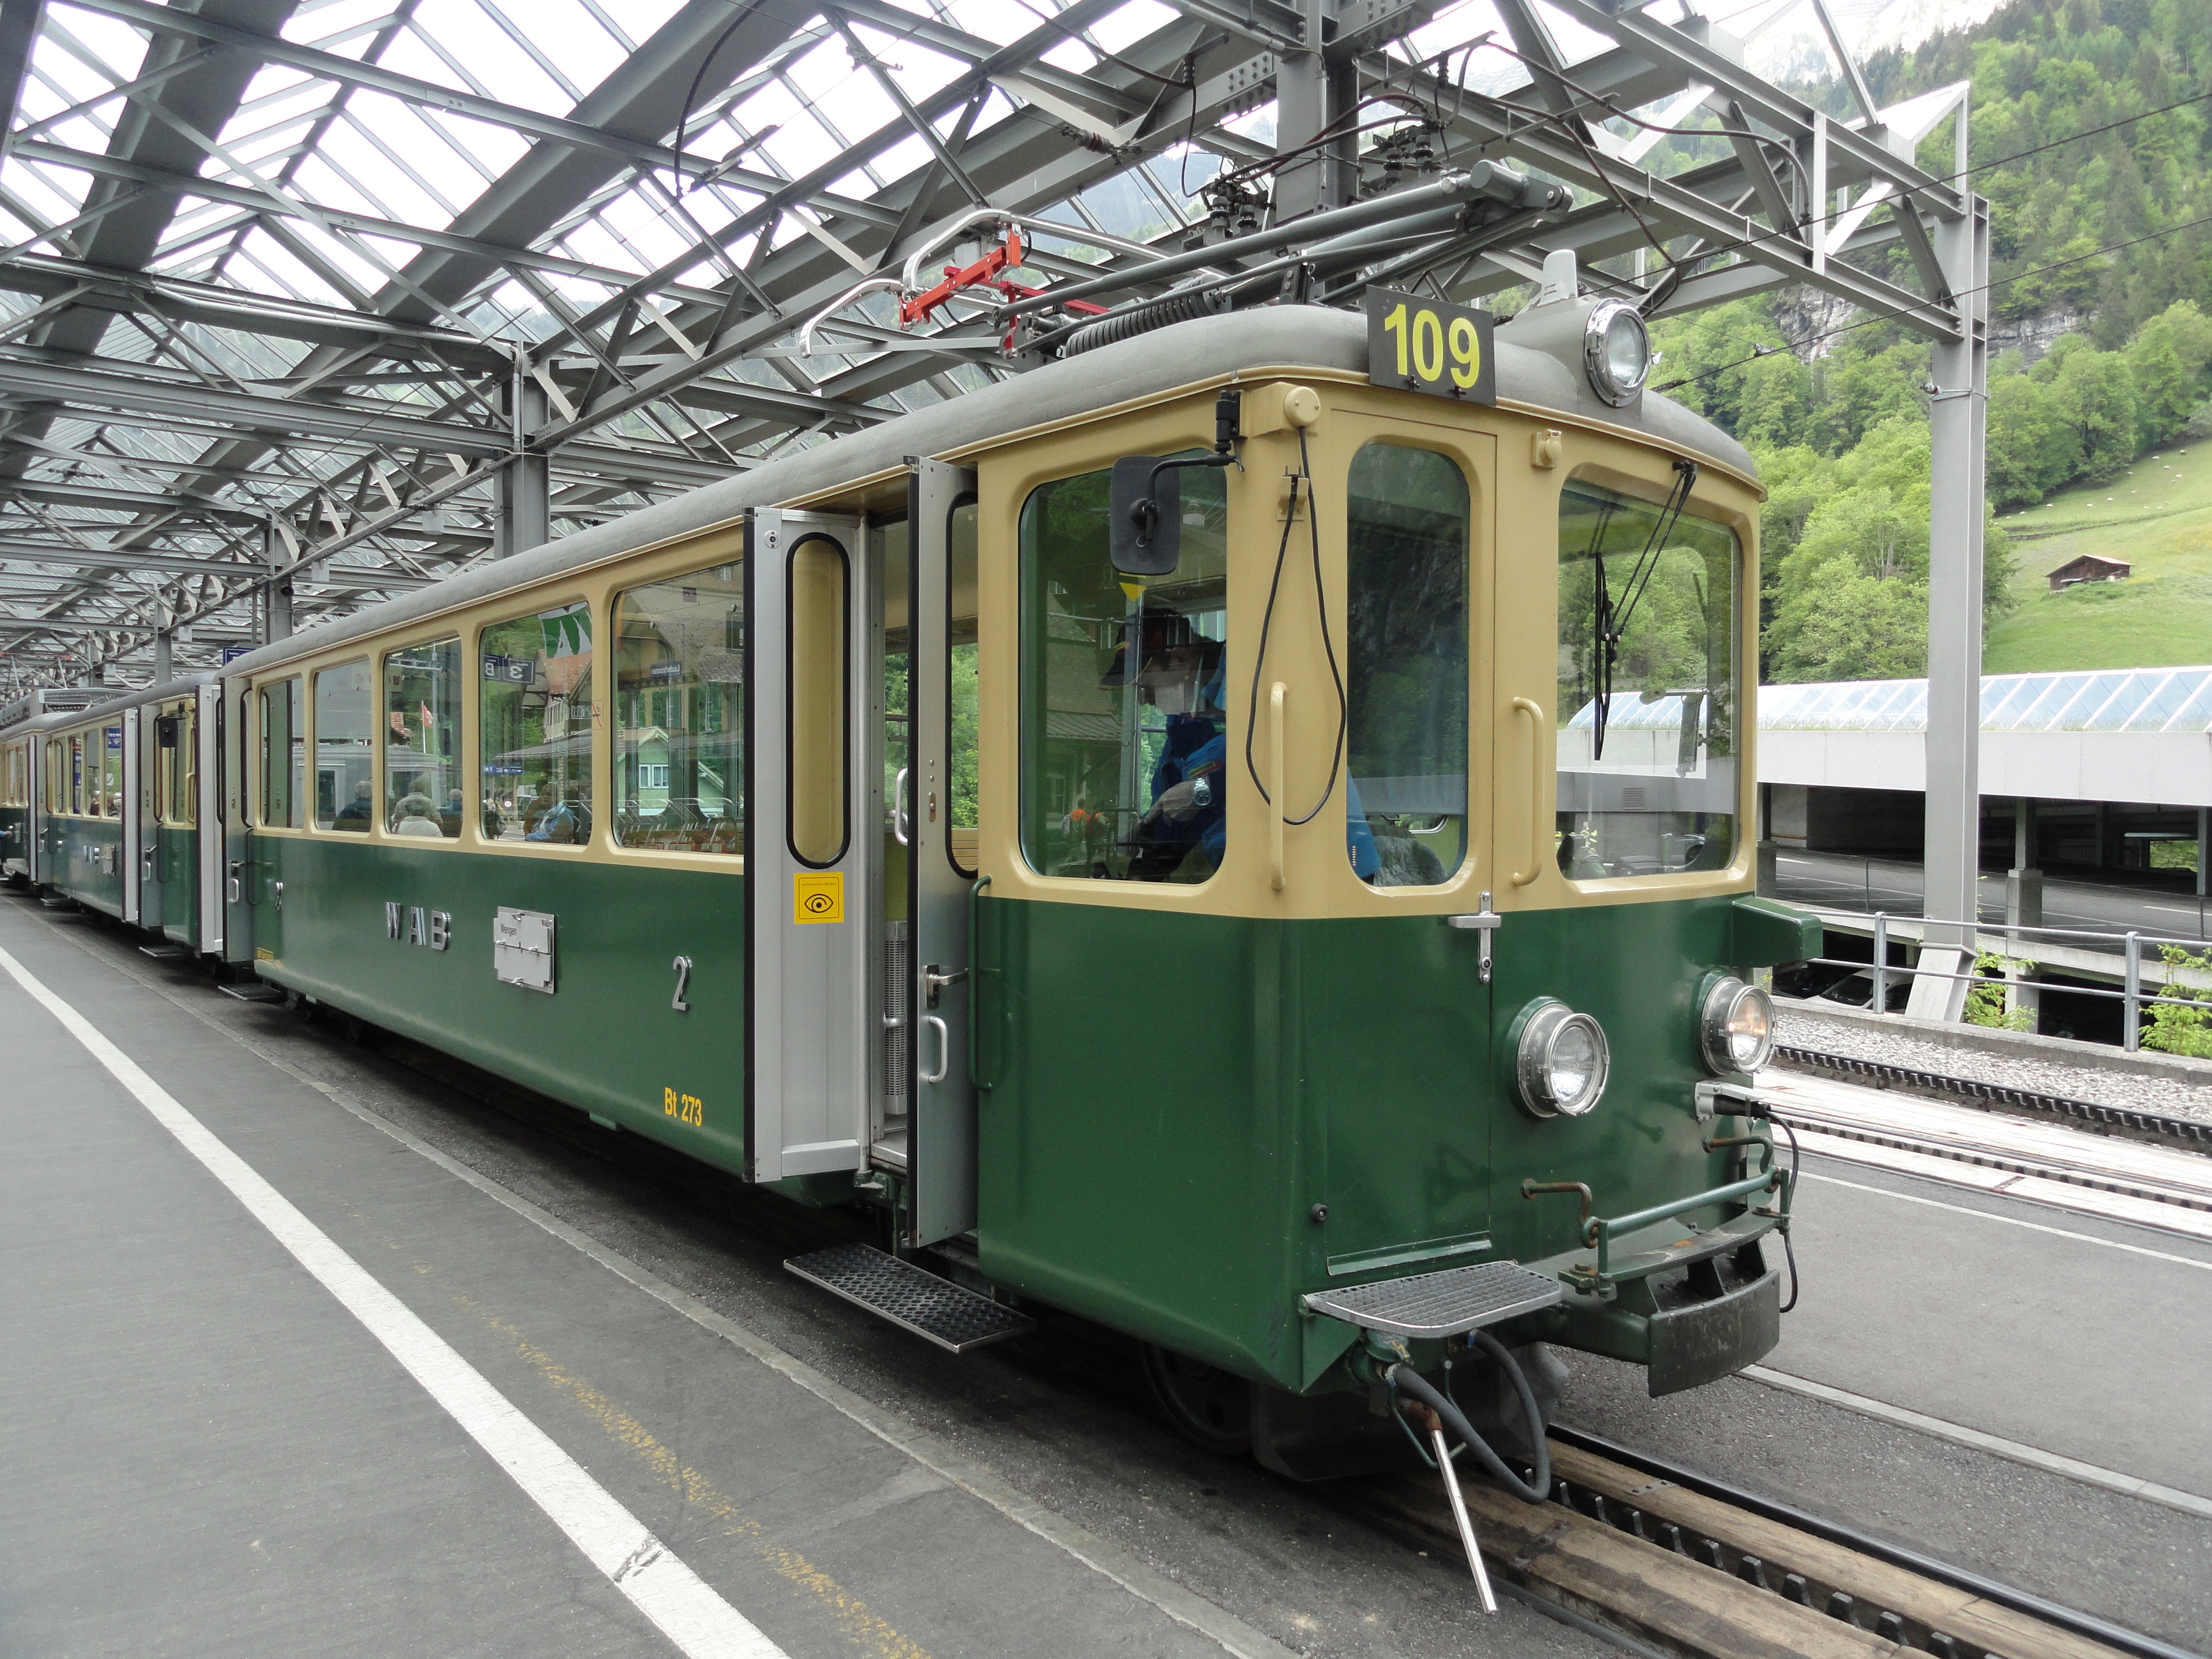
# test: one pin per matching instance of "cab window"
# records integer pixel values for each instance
(284, 756)
(534, 728)
(679, 713)
(1124, 691)
(1406, 634)
(345, 749)
(422, 740)
(1647, 686)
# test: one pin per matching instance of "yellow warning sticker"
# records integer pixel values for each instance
(818, 897)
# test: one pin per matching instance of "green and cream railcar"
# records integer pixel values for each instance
(22, 723)
(1200, 951)
(117, 795)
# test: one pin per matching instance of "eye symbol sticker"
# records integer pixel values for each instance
(818, 897)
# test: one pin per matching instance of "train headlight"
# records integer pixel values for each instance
(1616, 350)
(1562, 1060)
(1736, 1029)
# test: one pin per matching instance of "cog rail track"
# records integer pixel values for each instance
(1689, 1565)
(2149, 1126)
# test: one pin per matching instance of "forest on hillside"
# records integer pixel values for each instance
(2091, 127)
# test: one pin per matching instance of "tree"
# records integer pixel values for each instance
(2168, 358)
(2090, 395)
(1837, 622)
(2030, 450)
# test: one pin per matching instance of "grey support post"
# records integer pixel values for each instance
(1956, 420)
(525, 520)
(276, 592)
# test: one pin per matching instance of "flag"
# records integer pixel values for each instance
(567, 632)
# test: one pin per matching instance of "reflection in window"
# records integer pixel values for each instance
(345, 795)
(961, 656)
(1406, 666)
(679, 713)
(283, 755)
(422, 739)
(534, 728)
(1647, 688)
(110, 771)
(1124, 687)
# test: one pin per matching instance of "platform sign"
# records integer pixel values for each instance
(1415, 345)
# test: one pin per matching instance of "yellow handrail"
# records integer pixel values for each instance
(1535, 714)
(1278, 697)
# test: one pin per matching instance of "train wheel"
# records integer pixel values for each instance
(1206, 1405)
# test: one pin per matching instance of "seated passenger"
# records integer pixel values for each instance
(413, 817)
(357, 814)
(564, 822)
(449, 816)
(1180, 837)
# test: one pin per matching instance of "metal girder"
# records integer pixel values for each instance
(330, 348)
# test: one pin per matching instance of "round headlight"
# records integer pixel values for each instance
(1561, 1061)
(1737, 1030)
(1617, 350)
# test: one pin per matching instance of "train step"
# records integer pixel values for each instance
(254, 993)
(952, 1317)
(165, 953)
(1442, 1304)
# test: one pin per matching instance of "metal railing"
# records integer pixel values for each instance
(2131, 995)
(1902, 879)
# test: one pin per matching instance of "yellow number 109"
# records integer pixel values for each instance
(1421, 347)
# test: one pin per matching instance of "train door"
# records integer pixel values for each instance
(132, 810)
(813, 865)
(939, 829)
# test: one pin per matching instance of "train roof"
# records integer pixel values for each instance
(95, 702)
(1275, 337)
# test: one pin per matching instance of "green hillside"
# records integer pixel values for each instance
(2157, 515)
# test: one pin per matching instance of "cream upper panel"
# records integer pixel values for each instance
(1515, 462)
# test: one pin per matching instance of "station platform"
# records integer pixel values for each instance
(279, 1382)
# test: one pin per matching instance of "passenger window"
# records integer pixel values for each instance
(345, 749)
(77, 775)
(1647, 688)
(111, 772)
(176, 794)
(534, 728)
(815, 670)
(961, 658)
(1124, 691)
(1405, 632)
(284, 756)
(679, 713)
(422, 740)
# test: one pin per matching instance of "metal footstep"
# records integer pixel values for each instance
(164, 952)
(1442, 1304)
(949, 1314)
(256, 992)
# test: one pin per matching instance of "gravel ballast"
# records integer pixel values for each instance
(2076, 1080)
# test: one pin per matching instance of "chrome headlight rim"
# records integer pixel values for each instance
(1543, 1025)
(1716, 1018)
(1597, 361)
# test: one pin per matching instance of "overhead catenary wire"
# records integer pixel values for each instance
(1891, 315)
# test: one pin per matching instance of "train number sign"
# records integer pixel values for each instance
(1424, 345)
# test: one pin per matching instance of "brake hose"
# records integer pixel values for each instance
(1538, 1486)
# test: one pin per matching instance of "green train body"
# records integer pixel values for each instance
(1181, 1107)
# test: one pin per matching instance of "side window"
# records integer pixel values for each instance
(345, 749)
(422, 739)
(111, 772)
(534, 728)
(679, 713)
(176, 794)
(962, 657)
(816, 678)
(1123, 692)
(1647, 688)
(1405, 632)
(284, 756)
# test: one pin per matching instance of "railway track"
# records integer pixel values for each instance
(1688, 1566)
(2159, 1127)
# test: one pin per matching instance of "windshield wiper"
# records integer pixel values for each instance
(1610, 625)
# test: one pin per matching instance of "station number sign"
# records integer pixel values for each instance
(1424, 345)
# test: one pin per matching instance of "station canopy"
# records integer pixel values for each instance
(2115, 699)
(305, 303)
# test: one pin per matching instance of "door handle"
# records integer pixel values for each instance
(898, 808)
(236, 865)
(1535, 714)
(277, 892)
(935, 979)
(944, 1049)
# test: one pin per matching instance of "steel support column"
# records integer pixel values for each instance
(526, 479)
(1957, 413)
(276, 593)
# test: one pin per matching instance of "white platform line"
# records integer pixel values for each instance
(2009, 1220)
(682, 1605)
(1960, 1435)
(1109, 1560)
